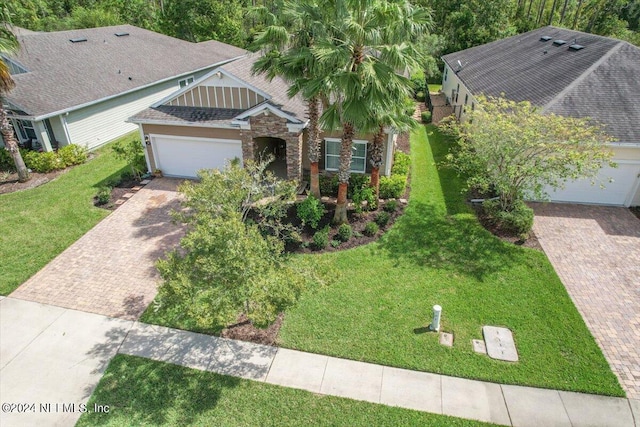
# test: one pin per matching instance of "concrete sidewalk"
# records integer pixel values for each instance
(51, 355)
(495, 403)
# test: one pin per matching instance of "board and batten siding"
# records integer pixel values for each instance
(100, 123)
(218, 92)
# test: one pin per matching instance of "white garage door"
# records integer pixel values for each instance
(620, 192)
(184, 156)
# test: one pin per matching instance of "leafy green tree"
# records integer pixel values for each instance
(200, 20)
(132, 152)
(515, 150)
(287, 45)
(226, 265)
(8, 43)
(371, 45)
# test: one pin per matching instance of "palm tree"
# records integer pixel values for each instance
(287, 45)
(371, 46)
(9, 43)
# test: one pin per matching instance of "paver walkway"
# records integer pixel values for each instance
(51, 355)
(596, 252)
(111, 269)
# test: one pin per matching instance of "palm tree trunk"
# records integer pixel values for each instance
(344, 173)
(314, 145)
(376, 160)
(11, 145)
(529, 10)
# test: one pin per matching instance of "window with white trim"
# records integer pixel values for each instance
(358, 155)
(26, 130)
(186, 82)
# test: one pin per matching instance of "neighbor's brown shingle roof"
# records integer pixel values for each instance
(63, 75)
(600, 81)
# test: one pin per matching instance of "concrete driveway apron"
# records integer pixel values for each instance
(596, 252)
(111, 269)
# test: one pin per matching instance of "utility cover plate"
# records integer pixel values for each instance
(500, 344)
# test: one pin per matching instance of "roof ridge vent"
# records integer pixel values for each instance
(559, 42)
(78, 40)
(545, 38)
(121, 34)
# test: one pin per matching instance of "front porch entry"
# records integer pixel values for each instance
(277, 147)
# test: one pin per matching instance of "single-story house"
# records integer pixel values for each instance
(567, 73)
(232, 113)
(81, 86)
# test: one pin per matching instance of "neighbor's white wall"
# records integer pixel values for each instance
(451, 84)
(98, 124)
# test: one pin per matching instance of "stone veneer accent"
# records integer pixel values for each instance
(275, 127)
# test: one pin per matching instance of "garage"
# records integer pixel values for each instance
(180, 156)
(621, 192)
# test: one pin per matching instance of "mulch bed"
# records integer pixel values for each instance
(357, 221)
(245, 331)
(117, 193)
(9, 181)
(506, 236)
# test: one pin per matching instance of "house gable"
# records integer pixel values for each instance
(218, 89)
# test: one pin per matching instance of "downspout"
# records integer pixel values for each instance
(389, 157)
(145, 148)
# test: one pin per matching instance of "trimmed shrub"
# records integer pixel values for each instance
(344, 232)
(371, 229)
(42, 162)
(329, 185)
(357, 181)
(335, 243)
(519, 220)
(364, 194)
(426, 116)
(103, 195)
(382, 218)
(401, 163)
(391, 206)
(132, 152)
(321, 238)
(310, 211)
(73, 154)
(420, 96)
(6, 161)
(392, 187)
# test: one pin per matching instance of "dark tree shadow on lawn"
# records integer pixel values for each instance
(425, 237)
(449, 238)
(156, 393)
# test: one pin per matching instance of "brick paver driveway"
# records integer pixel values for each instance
(596, 252)
(110, 270)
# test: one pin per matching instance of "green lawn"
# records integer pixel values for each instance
(434, 87)
(38, 224)
(379, 306)
(142, 392)
(439, 254)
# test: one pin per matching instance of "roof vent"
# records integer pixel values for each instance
(545, 38)
(559, 42)
(576, 47)
(121, 34)
(78, 40)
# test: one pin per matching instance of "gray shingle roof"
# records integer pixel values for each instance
(63, 75)
(241, 69)
(600, 81)
(194, 115)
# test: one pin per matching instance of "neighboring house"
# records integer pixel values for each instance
(81, 86)
(567, 73)
(231, 113)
